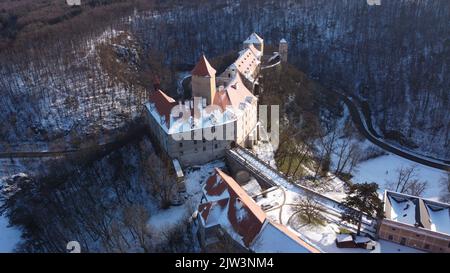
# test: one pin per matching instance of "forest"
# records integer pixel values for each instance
(386, 55)
(76, 77)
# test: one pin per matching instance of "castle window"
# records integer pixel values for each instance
(448, 245)
(427, 246)
(196, 150)
(204, 148)
(215, 146)
(195, 142)
(181, 144)
(390, 238)
(181, 152)
(213, 129)
(229, 75)
(204, 140)
(403, 241)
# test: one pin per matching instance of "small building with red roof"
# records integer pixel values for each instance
(228, 213)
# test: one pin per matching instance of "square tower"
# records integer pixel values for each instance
(204, 80)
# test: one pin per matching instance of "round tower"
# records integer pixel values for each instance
(283, 50)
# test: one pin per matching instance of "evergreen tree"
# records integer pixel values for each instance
(362, 199)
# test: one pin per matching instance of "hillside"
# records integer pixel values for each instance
(387, 55)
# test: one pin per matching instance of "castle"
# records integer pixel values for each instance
(221, 113)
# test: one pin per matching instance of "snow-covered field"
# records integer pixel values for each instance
(384, 168)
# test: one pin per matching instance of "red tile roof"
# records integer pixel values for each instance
(237, 92)
(215, 186)
(245, 216)
(203, 68)
(222, 99)
(163, 104)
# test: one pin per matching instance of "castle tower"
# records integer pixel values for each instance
(204, 80)
(256, 41)
(283, 50)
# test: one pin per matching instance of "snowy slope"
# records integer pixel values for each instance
(384, 168)
(9, 237)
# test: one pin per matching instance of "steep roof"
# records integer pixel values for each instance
(247, 62)
(255, 51)
(224, 182)
(254, 39)
(203, 68)
(221, 99)
(237, 92)
(244, 220)
(417, 211)
(163, 104)
(238, 212)
(278, 238)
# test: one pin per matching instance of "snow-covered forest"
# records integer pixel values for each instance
(387, 54)
(104, 204)
(76, 91)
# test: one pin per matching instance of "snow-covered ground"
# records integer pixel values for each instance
(278, 203)
(325, 236)
(381, 169)
(9, 237)
(384, 168)
(195, 179)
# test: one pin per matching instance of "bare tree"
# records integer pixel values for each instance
(162, 184)
(135, 218)
(308, 209)
(348, 156)
(407, 181)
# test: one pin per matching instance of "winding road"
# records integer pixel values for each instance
(365, 127)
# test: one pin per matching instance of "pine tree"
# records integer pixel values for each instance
(362, 199)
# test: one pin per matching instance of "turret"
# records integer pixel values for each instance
(283, 50)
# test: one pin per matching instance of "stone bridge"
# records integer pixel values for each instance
(243, 163)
